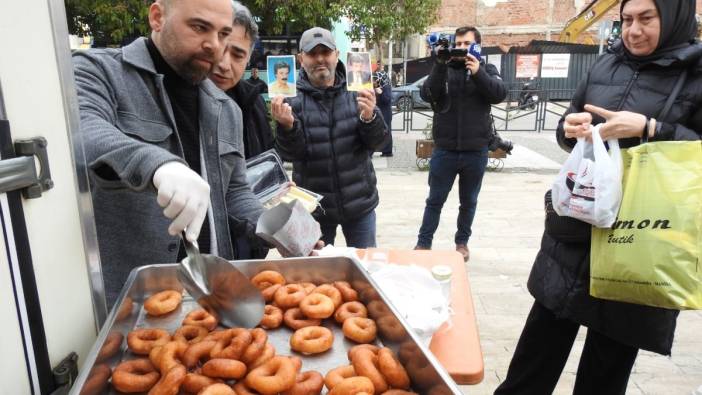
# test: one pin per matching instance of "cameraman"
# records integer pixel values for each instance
(461, 89)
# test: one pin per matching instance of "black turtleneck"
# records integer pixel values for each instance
(184, 102)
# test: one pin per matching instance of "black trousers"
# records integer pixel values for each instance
(542, 352)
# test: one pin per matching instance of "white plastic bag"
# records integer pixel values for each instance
(589, 185)
(412, 290)
(416, 295)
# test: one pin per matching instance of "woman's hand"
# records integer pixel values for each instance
(577, 125)
(618, 124)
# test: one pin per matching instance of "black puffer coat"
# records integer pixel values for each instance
(330, 148)
(462, 120)
(560, 278)
(258, 136)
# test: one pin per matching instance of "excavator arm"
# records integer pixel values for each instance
(586, 18)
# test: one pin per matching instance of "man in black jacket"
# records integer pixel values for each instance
(460, 91)
(256, 81)
(329, 133)
(227, 75)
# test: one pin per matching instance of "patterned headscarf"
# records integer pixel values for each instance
(382, 77)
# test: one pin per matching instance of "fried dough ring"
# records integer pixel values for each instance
(194, 382)
(307, 383)
(276, 375)
(353, 386)
(163, 302)
(169, 384)
(217, 389)
(422, 372)
(348, 294)
(309, 287)
(110, 347)
(330, 291)
(289, 296)
(350, 309)
(297, 363)
(360, 330)
(201, 317)
(373, 348)
(391, 328)
(317, 306)
(190, 334)
(97, 381)
(337, 375)
(255, 349)
(224, 369)
(167, 356)
(377, 309)
(137, 375)
(365, 362)
(198, 351)
(267, 355)
(312, 340)
(141, 341)
(295, 319)
(272, 317)
(233, 344)
(395, 374)
(269, 292)
(267, 278)
(241, 389)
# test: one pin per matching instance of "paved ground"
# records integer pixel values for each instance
(507, 232)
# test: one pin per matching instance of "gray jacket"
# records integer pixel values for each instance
(128, 131)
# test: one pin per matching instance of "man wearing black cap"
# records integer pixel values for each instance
(329, 134)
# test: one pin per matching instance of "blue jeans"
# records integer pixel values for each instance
(359, 233)
(444, 166)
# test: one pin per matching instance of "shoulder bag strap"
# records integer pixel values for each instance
(673, 95)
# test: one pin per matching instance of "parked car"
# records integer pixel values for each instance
(406, 97)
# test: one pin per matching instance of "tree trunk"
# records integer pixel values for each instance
(379, 48)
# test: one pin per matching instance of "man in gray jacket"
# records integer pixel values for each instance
(163, 145)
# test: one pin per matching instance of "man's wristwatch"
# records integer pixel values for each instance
(367, 121)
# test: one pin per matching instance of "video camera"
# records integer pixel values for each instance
(440, 44)
(443, 47)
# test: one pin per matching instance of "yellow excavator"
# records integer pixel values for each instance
(586, 18)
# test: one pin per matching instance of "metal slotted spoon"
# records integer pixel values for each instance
(220, 288)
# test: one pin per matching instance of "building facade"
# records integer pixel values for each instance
(516, 22)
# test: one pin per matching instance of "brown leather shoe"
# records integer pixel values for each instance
(422, 248)
(463, 250)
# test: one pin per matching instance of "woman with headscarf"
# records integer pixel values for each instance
(625, 91)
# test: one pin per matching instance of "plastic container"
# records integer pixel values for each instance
(270, 183)
(442, 274)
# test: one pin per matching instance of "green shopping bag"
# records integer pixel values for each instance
(651, 254)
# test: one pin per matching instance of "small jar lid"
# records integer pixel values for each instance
(441, 272)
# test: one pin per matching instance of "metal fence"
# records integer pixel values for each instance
(510, 115)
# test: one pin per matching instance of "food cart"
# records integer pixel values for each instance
(58, 336)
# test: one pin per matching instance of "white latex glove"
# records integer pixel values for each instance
(185, 196)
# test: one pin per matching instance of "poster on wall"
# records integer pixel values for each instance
(528, 66)
(555, 65)
(496, 60)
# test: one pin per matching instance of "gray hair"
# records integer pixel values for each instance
(243, 17)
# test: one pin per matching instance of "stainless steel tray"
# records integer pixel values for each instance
(426, 373)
